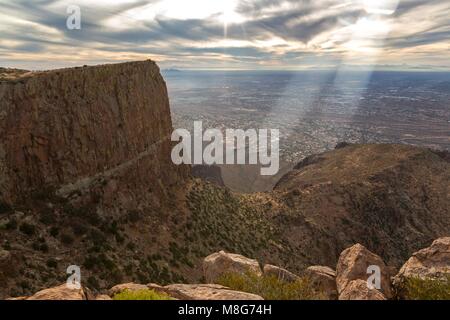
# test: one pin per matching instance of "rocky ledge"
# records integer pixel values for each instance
(350, 281)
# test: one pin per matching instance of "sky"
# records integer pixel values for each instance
(229, 34)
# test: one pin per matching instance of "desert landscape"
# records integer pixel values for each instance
(86, 179)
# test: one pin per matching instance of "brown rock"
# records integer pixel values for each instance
(221, 263)
(67, 128)
(103, 297)
(324, 279)
(353, 264)
(429, 263)
(279, 273)
(61, 292)
(18, 298)
(126, 286)
(358, 290)
(205, 292)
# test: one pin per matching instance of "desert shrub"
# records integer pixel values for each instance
(54, 231)
(427, 289)
(47, 217)
(133, 216)
(40, 246)
(52, 263)
(67, 239)
(270, 287)
(4, 207)
(79, 229)
(11, 225)
(93, 282)
(43, 194)
(90, 262)
(141, 295)
(27, 228)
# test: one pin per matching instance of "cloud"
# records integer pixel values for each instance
(285, 33)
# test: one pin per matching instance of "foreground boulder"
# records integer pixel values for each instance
(220, 263)
(324, 280)
(280, 273)
(429, 263)
(203, 292)
(358, 290)
(62, 292)
(353, 265)
(126, 287)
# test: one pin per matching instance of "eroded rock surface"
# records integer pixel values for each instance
(354, 264)
(358, 290)
(431, 263)
(279, 273)
(67, 128)
(62, 292)
(221, 263)
(205, 292)
(324, 279)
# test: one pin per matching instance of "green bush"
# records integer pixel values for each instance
(427, 289)
(270, 287)
(141, 295)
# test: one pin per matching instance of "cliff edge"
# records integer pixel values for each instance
(64, 129)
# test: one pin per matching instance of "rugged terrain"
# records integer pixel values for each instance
(86, 179)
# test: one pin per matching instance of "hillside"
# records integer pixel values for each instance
(86, 179)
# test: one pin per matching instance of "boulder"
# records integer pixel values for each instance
(204, 292)
(126, 286)
(103, 297)
(358, 290)
(221, 263)
(429, 263)
(324, 280)
(279, 273)
(62, 292)
(353, 265)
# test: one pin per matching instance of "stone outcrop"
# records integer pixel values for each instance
(358, 290)
(220, 263)
(61, 292)
(204, 292)
(126, 287)
(324, 280)
(279, 273)
(353, 265)
(67, 129)
(429, 263)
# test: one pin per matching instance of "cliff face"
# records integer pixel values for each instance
(67, 129)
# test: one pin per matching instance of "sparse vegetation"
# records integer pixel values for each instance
(27, 228)
(67, 239)
(11, 225)
(4, 208)
(52, 263)
(270, 287)
(141, 295)
(427, 289)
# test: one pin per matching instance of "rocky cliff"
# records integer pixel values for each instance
(86, 179)
(67, 128)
